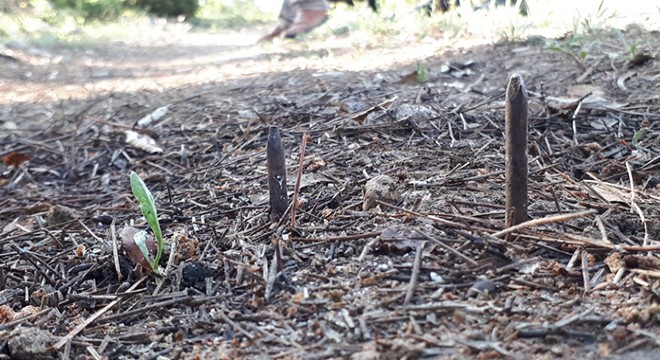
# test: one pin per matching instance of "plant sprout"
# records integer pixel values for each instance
(148, 207)
(421, 73)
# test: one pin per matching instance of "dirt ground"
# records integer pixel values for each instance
(420, 269)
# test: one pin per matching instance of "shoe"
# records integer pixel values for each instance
(305, 21)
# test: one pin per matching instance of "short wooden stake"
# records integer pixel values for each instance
(516, 151)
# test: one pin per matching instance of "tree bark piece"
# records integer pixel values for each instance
(279, 201)
(516, 151)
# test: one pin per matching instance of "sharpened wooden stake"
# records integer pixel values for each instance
(516, 151)
(279, 201)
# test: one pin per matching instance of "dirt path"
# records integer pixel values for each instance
(159, 62)
(423, 274)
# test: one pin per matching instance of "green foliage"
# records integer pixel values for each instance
(112, 9)
(169, 8)
(148, 207)
(421, 73)
(639, 135)
(92, 9)
(217, 14)
(595, 21)
(579, 57)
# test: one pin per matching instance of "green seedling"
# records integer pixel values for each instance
(639, 135)
(148, 207)
(421, 73)
(634, 49)
(578, 57)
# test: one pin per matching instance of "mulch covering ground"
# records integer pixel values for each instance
(424, 271)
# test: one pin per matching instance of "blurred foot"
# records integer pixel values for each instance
(273, 34)
(306, 20)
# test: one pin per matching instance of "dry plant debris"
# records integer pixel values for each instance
(429, 275)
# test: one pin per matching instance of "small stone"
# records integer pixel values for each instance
(30, 343)
(380, 188)
(60, 214)
(483, 289)
(194, 275)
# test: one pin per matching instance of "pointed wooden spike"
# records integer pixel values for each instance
(516, 151)
(279, 200)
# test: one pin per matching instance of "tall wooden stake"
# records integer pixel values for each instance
(516, 151)
(279, 201)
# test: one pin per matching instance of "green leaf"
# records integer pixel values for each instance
(633, 50)
(556, 48)
(639, 135)
(140, 239)
(148, 207)
(421, 73)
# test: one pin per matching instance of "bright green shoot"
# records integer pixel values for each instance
(421, 73)
(148, 207)
(639, 136)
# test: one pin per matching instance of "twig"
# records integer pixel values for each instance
(296, 189)
(584, 241)
(233, 324)
(516, 151)
(414, 276)
(585, 271)
(153, 306)
(170, 260)
(603, 231)
(636, 207)
(95, 355)
(272, 275)
(38, 264)
(276, 174)
(366, 249)
(648, 334)
(89, 231)
(544, 221)
(447, 247)
(430, 217)
(567, 320)
(340, 238)
(67, 351)
(571, 262)
(449, 305)
(63, 340)
(115, 251)
(451, 135)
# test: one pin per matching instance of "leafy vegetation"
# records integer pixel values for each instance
(148, 208)
(167, 8)
(92, 9)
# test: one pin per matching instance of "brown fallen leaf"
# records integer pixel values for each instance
(131, 249)
(15, 159)
(385, 105)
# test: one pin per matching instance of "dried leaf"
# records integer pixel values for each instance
(382, 106)
(15, 159)
(640, 58)
(608, 192)
(400, 239)
(153, 116)
(132, 250)
(614, 262)
(142, 142)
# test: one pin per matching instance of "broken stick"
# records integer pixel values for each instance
(279, 201)
(516, 151)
